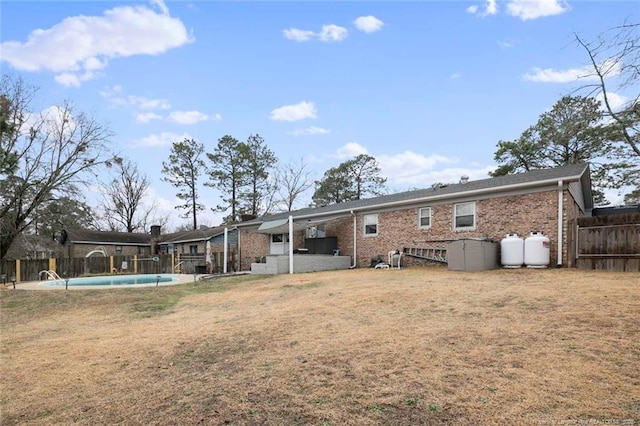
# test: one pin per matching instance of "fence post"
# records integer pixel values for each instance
(110, 264)
(135, 263)
(173, 263)
(18, 274)
(52, 264)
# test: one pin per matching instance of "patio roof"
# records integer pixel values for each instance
(281, 226)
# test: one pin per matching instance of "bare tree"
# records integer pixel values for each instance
(615, 56)
(292, 180)
(123, 205)
(43, 155)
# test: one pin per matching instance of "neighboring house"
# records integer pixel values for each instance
(83, 242)
(27, 246)
(190, 246)
(540, 200)
(193, 242)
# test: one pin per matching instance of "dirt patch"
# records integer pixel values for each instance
(417, 346)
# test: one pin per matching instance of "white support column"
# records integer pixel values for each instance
(225, 257)
(560, 220)
(290, 244)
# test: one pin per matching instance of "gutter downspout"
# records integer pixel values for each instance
(560, 220)
(355, 241)
(226, 249)
(290, 244)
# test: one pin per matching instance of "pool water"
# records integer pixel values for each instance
(113, 280)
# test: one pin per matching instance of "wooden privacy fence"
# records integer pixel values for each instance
(609, 243)
(29, 269)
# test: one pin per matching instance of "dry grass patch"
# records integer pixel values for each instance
(418, 346)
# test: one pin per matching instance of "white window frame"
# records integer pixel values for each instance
(421, 216)
(455, 217)
(284, 238)
(366, 221)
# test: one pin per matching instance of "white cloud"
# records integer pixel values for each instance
(490, 8)
(83, 45)
(455, 76)
(113, 96)
(146, 103)
(295, 112)
(328, 33)
(161, 139)
(409, 167)
(616, 101)
(161, 5)
(188, 117)
(68, 79)
(533, 9)
(331, 32)
(312, 130)
(146, 117)
(368, 24)
(350, 150)
(448, 175)
(523, 9)
(298, 35)
(549, 75)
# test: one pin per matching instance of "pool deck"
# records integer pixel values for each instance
(37, 285)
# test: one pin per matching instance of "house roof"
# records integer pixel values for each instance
(192, 235)
(100, 237)
(518, 181)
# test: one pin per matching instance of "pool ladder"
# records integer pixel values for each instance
(51, 274)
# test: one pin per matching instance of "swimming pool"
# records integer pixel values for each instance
(112, 280)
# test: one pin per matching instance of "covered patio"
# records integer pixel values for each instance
(316, 254)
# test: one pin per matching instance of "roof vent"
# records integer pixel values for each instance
(464, 179)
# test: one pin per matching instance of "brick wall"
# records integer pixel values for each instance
(495, 218)
(253, 244)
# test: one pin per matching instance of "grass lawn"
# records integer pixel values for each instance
(361, 347)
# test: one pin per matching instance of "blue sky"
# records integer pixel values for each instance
(426, 87)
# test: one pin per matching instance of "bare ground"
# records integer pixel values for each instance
(365, 347)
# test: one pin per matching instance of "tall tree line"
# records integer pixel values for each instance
(238, 170)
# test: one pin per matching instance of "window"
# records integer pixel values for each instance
(316, 232)
(118, 249)
(193, 249)
(278, 238)
(464, 216)
(371, 224)
(424, 218)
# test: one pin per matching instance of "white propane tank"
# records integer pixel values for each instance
(512, 251)
(536, 250)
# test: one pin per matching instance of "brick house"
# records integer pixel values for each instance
(540, 200)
